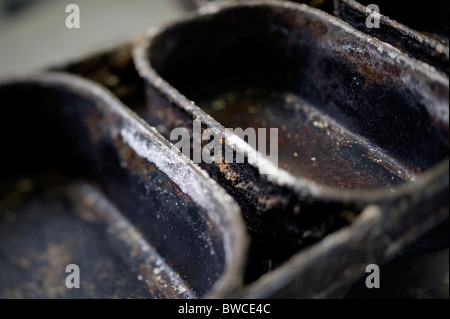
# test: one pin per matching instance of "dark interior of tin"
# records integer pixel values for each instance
(259, 67)
(46, 150)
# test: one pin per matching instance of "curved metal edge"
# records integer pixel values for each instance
(221, 208)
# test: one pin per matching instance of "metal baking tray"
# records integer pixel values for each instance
(359, 124)
(363, 155)
(86, 182)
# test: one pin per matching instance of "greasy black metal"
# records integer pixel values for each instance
(422, 29)
(369, 126)
(85, 181)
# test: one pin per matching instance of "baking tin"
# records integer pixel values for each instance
(360, 124)
(86, 182)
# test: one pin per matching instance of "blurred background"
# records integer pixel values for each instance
(33, 33)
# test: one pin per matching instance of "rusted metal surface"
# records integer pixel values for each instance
(99, 188)
(374, 120)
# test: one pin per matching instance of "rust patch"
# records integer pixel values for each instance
(372, 70)
(229, 175)
(173, 186)
(137, 165)
(234, 177)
